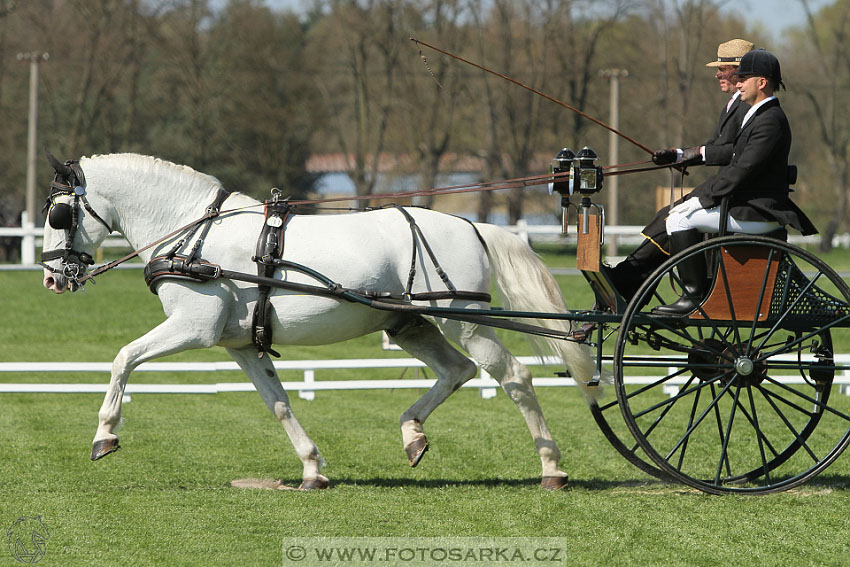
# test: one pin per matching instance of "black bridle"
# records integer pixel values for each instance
(68, 181)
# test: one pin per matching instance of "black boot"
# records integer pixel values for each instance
(692, 272)
(629, 275)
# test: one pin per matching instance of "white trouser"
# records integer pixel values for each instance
(690, 215)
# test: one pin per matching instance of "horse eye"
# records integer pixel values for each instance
(60, 216)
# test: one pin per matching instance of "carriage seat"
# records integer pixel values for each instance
(778, 234)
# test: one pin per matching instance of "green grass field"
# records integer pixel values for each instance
(165, 498)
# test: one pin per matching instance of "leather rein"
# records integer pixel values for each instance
(71, 182)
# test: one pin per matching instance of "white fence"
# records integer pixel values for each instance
(625, 234)
(308, 387)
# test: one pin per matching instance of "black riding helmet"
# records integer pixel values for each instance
(760, 63)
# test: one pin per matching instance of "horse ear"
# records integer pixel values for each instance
(57, 165)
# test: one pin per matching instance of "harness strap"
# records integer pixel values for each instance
(269, 249)
(204, 271)
(212, 212)
(418, 236)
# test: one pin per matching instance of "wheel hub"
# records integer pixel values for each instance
(711, 361)
(744, 366)
(748, 372)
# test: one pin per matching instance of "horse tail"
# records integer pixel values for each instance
(525, 284)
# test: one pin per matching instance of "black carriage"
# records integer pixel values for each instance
(743, 395)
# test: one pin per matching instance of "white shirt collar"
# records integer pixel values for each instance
(753, 109)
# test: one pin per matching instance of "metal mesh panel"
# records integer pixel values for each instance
(811, 306)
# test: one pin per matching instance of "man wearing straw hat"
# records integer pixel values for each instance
(628, 275)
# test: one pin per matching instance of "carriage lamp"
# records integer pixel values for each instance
(586, 176)
(562, 164)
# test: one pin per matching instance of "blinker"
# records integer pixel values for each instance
(59, 217)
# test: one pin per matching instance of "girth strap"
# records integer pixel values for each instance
(269, 250)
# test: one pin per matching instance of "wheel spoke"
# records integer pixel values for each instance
(719, 422)
(804, 338)
(673, 399)
(818, 403)
(699, 420)
(798, 437)
(752, 418)
(759, 435)
(728, 293)
(790, 308)
(693, 412)
(672, 402)
(762, 292)
(724, 455)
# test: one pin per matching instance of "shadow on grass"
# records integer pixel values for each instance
(829, 481)
(580, 484)
(824, 482)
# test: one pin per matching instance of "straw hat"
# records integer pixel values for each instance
(730, 53)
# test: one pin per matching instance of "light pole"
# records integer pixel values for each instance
(34, 57)
(612, 215)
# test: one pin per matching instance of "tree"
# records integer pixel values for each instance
(265, 116)
(356, 48)
(433, 91)
(828, 33)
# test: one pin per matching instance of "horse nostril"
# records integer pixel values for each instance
(49, 282)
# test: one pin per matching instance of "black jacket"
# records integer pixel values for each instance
(756, 179)
(718, 150)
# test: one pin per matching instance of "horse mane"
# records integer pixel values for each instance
(149, 166)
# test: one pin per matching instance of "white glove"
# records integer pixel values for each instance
(687, 207)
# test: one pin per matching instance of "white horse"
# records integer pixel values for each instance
(144, 198)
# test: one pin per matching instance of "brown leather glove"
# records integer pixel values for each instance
(691, 156)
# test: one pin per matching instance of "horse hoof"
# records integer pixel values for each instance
(416, 450)
(554, 482)
(318, 483)
(103, 447)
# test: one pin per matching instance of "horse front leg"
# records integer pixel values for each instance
(263, 375)
(177, 333)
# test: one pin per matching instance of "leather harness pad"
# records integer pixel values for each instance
(179, 267)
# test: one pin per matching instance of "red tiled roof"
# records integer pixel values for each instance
(340, 162)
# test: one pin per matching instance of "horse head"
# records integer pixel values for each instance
(73, 229)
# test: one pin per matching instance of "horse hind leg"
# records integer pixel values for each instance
(424, 341)
(263, 375)
(515, 379)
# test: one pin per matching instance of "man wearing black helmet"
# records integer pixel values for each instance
(755, 181)
(628, 275)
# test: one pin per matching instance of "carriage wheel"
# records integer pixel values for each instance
(739, 396)
(622, 441)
